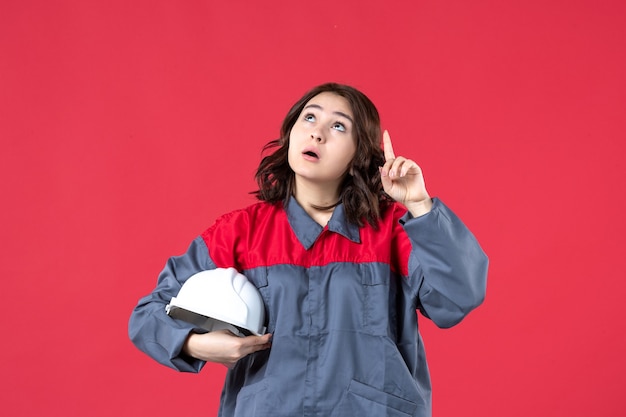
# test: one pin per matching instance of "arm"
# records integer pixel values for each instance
(178, 344)
(151, 329)
(447, 266)
(223, 347)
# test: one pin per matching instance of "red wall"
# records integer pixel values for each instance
(127, 127)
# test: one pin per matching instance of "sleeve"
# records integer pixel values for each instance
(151, 329)
(447, 267)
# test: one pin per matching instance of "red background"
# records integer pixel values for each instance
(127, 127)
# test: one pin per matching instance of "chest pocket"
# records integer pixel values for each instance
(379, 306)
(258, 277)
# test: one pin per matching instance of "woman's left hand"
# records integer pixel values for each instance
(403, 180)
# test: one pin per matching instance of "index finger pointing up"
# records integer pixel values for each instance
(387, 147)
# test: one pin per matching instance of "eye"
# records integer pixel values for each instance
(309, 117)
(339, 126)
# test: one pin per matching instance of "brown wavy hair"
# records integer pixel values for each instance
(361, 191)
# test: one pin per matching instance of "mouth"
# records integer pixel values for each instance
(310, 154)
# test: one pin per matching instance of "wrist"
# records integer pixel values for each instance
(420, 208)
(189, 347)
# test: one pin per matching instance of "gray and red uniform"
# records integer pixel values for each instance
(341, 304)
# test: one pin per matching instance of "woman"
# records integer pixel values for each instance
(344, 246)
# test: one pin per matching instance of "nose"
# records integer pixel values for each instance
(317, 136)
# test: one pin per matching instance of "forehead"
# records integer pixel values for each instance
(331, 102)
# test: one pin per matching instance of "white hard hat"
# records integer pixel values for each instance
(218, 299)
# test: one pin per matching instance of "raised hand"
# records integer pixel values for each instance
(403, 180)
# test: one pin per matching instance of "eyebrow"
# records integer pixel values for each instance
(339, 113)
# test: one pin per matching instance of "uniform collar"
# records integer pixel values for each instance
(308, 230)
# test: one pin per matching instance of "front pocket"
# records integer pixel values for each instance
(367, 400)
(246, 405)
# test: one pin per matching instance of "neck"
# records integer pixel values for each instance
(311, 196)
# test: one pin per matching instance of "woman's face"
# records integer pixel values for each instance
(322, 142)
